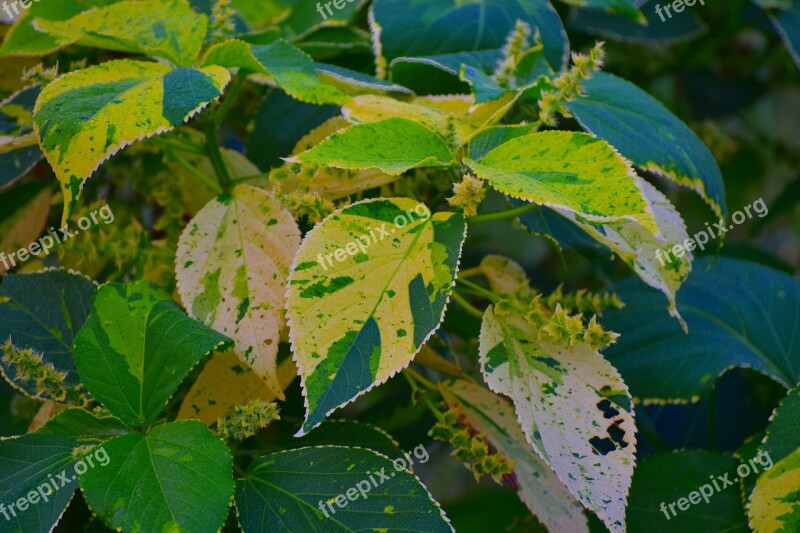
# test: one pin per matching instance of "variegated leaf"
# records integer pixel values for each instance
(572, 405)
(232, 265)
(368, 288)
(537, 486)
(775, 502)
(649, 256)
(569, 170)
(84, 117)
(169, 29)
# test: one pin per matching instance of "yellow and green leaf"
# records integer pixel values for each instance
(392, 146)
(84, 117)
(775, 502)
(286, 66)
(369, 286)
(232, 265)
(651, 257)
(573, 407)
(23, 39)
(169, 29)
(535, 483)
(571, 171)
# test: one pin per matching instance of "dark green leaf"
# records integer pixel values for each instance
(83, 426)
(175, 478)
(298, 490)
(43, 312)
(136, 348)
(738, 313)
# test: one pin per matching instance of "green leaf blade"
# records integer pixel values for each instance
(393, 145)
(648, 134)
(177, 477)
(292, 488)
(140, 337)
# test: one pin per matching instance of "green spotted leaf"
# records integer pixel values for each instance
(651, 257)
(84, 117)
(232, 265)
(572, 171)
(169, 29)
(396, 263)
(136, 348)
(648, 134)
(43, 312)
(334, 489)
(286, 66)
(393, 146)
(739, 314)
(536, 485)
(774, 505)
(572, 405)
(30, 464)
(23, 39)
(663, 483)
(177, 477)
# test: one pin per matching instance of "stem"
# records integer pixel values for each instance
(419, 378)
(502, 215)
(466, 305)
(193, 170)
(470, 272)
(223, 109)
(177, 144)
(215, 154)
(489, 295)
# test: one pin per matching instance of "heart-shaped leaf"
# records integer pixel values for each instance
(177, 477)
(137, 347)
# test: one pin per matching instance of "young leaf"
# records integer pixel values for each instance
(661, 481)
(43, 312)
(536, 485)
(396, 263)
(774, 506)
(137, 347)
(23, 39)
(572, 405)
(392, 146)
(644, 131)
(504, 275)
(35, 464)
(232, 264)
(169, 29)
(225, 382)
(84, 117)
(304, 490)
(573, 171)
(177, 477)
(414, 28)
(290, 68)
(732, 321)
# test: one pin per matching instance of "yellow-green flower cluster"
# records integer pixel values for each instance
(471, 448)
(583, 301)
(517, 42)
(222, 23)
(568, 85)
(310, 205)
(247, 419)
(30, 367)
(468, 195)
